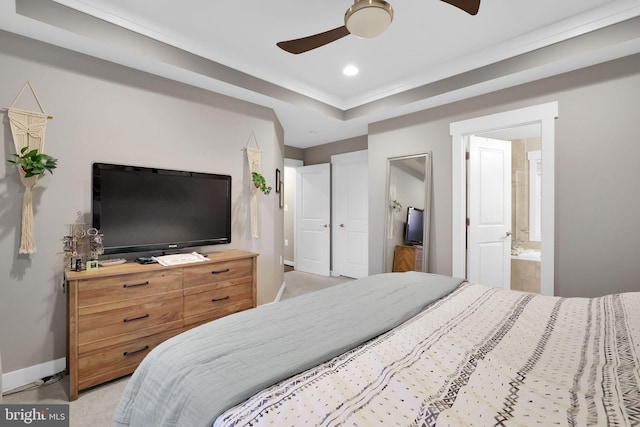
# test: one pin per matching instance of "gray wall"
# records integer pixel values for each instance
(109, 113)
(597, 152)
(322, 153)
(293, 153)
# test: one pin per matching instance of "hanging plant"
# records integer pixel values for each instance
(260, 182)
(34, 163)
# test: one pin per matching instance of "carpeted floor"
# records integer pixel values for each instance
(95, 406)
(299, 283)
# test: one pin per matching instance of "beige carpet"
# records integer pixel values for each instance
(299, 283)
(95, 407)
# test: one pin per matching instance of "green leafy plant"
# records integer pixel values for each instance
(260, 183)
(34, 163)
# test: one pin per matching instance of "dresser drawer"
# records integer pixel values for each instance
(214, 275)
(102, 328)
(212, 304)
(127, 286)
(116, 361)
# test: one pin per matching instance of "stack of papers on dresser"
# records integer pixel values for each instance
(177, 259)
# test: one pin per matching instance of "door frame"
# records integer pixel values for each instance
(292, 163)
(542, 114)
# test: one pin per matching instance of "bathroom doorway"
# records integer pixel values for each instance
(544, 117)
(510, 222)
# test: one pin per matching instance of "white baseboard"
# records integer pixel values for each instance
(280, 292)
(11, 380)
(289, 263)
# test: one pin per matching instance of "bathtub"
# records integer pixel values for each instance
(525, 271)
(529, 255)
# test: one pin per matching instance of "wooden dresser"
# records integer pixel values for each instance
(407, 258)
(117, 314)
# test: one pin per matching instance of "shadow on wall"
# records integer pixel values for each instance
(241, 212)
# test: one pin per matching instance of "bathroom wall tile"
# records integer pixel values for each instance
(518, 155)
(525, 275)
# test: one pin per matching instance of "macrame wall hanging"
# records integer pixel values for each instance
(28, 129)
(254, 156)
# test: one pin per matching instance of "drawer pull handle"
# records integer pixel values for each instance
(136, 318)
(226, 270)
(131, 353)
(220, 299)
(126, 285)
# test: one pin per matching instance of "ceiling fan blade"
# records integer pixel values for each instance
(306, 44)
(469, 6)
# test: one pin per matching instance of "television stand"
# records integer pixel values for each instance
(407, 258)
(118, 314)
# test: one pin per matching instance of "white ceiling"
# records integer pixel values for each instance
(406, 69)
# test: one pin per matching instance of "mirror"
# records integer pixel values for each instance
(408, 213)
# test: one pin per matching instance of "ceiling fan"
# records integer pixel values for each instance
(365, 19)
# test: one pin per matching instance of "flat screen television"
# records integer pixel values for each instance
(142, 209)
(413, 229)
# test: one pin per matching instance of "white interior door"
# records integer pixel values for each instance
(350, 214)
(312, 219)
(489, 229)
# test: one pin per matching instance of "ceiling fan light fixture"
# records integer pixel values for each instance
(368, 18)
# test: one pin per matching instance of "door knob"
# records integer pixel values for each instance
(341, 225)
(326, 225)
(508, 233)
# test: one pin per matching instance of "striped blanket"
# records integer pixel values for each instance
(192, 378)
(479, 356)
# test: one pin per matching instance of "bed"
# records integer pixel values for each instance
(399, 349)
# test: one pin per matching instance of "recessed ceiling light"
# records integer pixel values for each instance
(350, 70)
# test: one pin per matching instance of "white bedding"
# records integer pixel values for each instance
(192, 378)
(479, 356)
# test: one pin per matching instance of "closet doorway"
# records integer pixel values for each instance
(344, 191)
